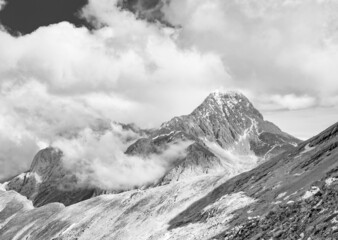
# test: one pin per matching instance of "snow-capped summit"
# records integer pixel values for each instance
(229, 93)
(229, 99)
(223, 122)
(226, 103)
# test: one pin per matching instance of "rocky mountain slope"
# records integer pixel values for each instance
(194, 200)
(292, 196)
(228, 135)
(295, 195)
(48, 181)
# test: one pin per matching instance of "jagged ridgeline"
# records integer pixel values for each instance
(211, 193)
(227, 136)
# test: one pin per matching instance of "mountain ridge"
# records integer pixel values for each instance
(266, 202)
(291, 195)
(229, 140)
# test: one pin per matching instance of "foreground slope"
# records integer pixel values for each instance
(136, 214)
(295, 195)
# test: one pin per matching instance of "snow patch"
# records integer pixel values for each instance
(234, 163)
(334, 220)
(310, 193)
(163, 135)
(232, 98)
(307, 148)
(220, 212)
(330, 180)
(34, 175)
(266, 155)
(21, 176)
(281, 195)
(230, 202)
(3, 186)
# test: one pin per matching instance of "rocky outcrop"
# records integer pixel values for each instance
(48, 181)
(314, 217)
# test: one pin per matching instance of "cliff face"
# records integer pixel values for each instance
(48, 181)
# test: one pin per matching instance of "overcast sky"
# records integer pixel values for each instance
(282, 54)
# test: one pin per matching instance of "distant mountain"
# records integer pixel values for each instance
(228, 135)
(47, 180)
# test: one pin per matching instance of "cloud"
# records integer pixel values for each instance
(269, 47)
(99, 160)
(134, 71)
(2, 4)
(62, 78)
(290, 102)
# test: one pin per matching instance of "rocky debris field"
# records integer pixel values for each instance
(314, 217)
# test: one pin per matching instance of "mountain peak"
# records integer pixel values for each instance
(228, 98)
(228, 93)
(225, 97)
(228, 104)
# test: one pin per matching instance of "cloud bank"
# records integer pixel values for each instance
(270, 47)
(282, 54)
(99, 160)
(60, 78)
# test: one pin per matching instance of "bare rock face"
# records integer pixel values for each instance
(48, 181)
(223, 123)
(198, 161)
(228, 118)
